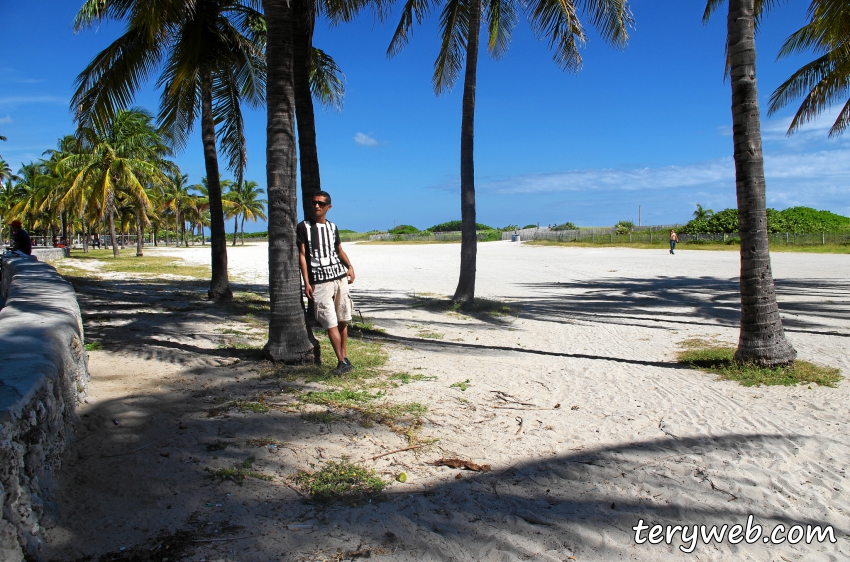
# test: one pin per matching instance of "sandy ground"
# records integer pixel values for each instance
(635, 436)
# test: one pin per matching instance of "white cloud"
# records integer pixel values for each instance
(16, 100)
(791, 177)
(362, 139)
(6, 120)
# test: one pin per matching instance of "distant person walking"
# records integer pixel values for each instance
(20, 239)
(327, 272)
(673, 239)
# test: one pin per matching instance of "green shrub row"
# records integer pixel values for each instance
(797, 220)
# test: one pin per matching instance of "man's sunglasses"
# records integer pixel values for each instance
(321, 204)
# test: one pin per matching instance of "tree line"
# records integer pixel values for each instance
(214, 55)
(796, 220)
(116, 179)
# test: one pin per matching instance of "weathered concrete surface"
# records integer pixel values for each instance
(43, 375)
(51, 254)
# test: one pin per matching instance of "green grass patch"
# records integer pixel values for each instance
(430, 335)
(342, 398)
(239, 473)
(407, 378)
(461, 385)
(477, 307)
(256, 407)
(731, 245)
(366, 356)
(93, 345)
(343, 482)
(318, 417)
(262, 441)
(721, 361)
(148, 266)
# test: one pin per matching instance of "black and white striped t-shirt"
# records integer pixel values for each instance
(320, 242)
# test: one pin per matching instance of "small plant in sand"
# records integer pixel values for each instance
(462, 386)
(262, 441)
(720, 360)
(342, 481)
(93, 345)
(239, 473)
(407, 378)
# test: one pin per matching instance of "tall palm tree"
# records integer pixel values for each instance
(288, 341)
(211, 62)
(762, 339)
(116, 159)
(246, 204)
(703, 213)
(825, 80)
(460, 23)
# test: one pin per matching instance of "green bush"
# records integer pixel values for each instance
(530, 226)
(566, 226)
(797, 220)
(404, 229)
(624, 227)
(509, 228)
(455, 226)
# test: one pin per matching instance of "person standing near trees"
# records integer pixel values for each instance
(21, 241)
(327, 272)
(673, 239)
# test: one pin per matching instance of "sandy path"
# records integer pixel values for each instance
(635, 437)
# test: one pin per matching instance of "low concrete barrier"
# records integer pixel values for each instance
(51, 254)
(43, 376)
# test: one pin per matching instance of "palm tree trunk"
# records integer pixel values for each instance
(288, 334)
(86, 238)
(465, 291)
(112, 236)
(302, 30)
(762, 339)
(219, 285)
(243, 230)
(140, 232)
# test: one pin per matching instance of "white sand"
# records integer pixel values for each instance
(636, 436)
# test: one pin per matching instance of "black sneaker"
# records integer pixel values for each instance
(342, 367)
(347, 360)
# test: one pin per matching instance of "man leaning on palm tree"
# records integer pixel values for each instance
(327, 272)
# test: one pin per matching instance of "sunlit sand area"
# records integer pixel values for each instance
(564, 381)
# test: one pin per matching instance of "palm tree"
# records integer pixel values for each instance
(702, 213)
(762, 339)
(314, 74)
(826, 79)
(211, 63)
(247, 205)
(460, 23)
(288, 338)
(120, 158)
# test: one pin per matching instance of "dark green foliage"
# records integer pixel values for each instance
(341, 481)
(455, 226)
(404, 229)
(529, 226)
(624, 227)
(805, 220)
(721, 361)
(796, 220)
(566, 226)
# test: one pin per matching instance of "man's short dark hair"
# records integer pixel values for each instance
(324, 194)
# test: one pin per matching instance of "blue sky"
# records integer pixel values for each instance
(647, 126)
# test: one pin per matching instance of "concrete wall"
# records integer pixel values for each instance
(43, 376)
(51, 254)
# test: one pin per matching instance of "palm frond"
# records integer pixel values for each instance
(454, 29)
(327, 82)
(557, 21)
(500, 17)
(412, 10)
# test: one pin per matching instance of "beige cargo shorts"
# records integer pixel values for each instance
(333, 303)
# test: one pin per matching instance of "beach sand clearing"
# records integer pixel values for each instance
(572, 394)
